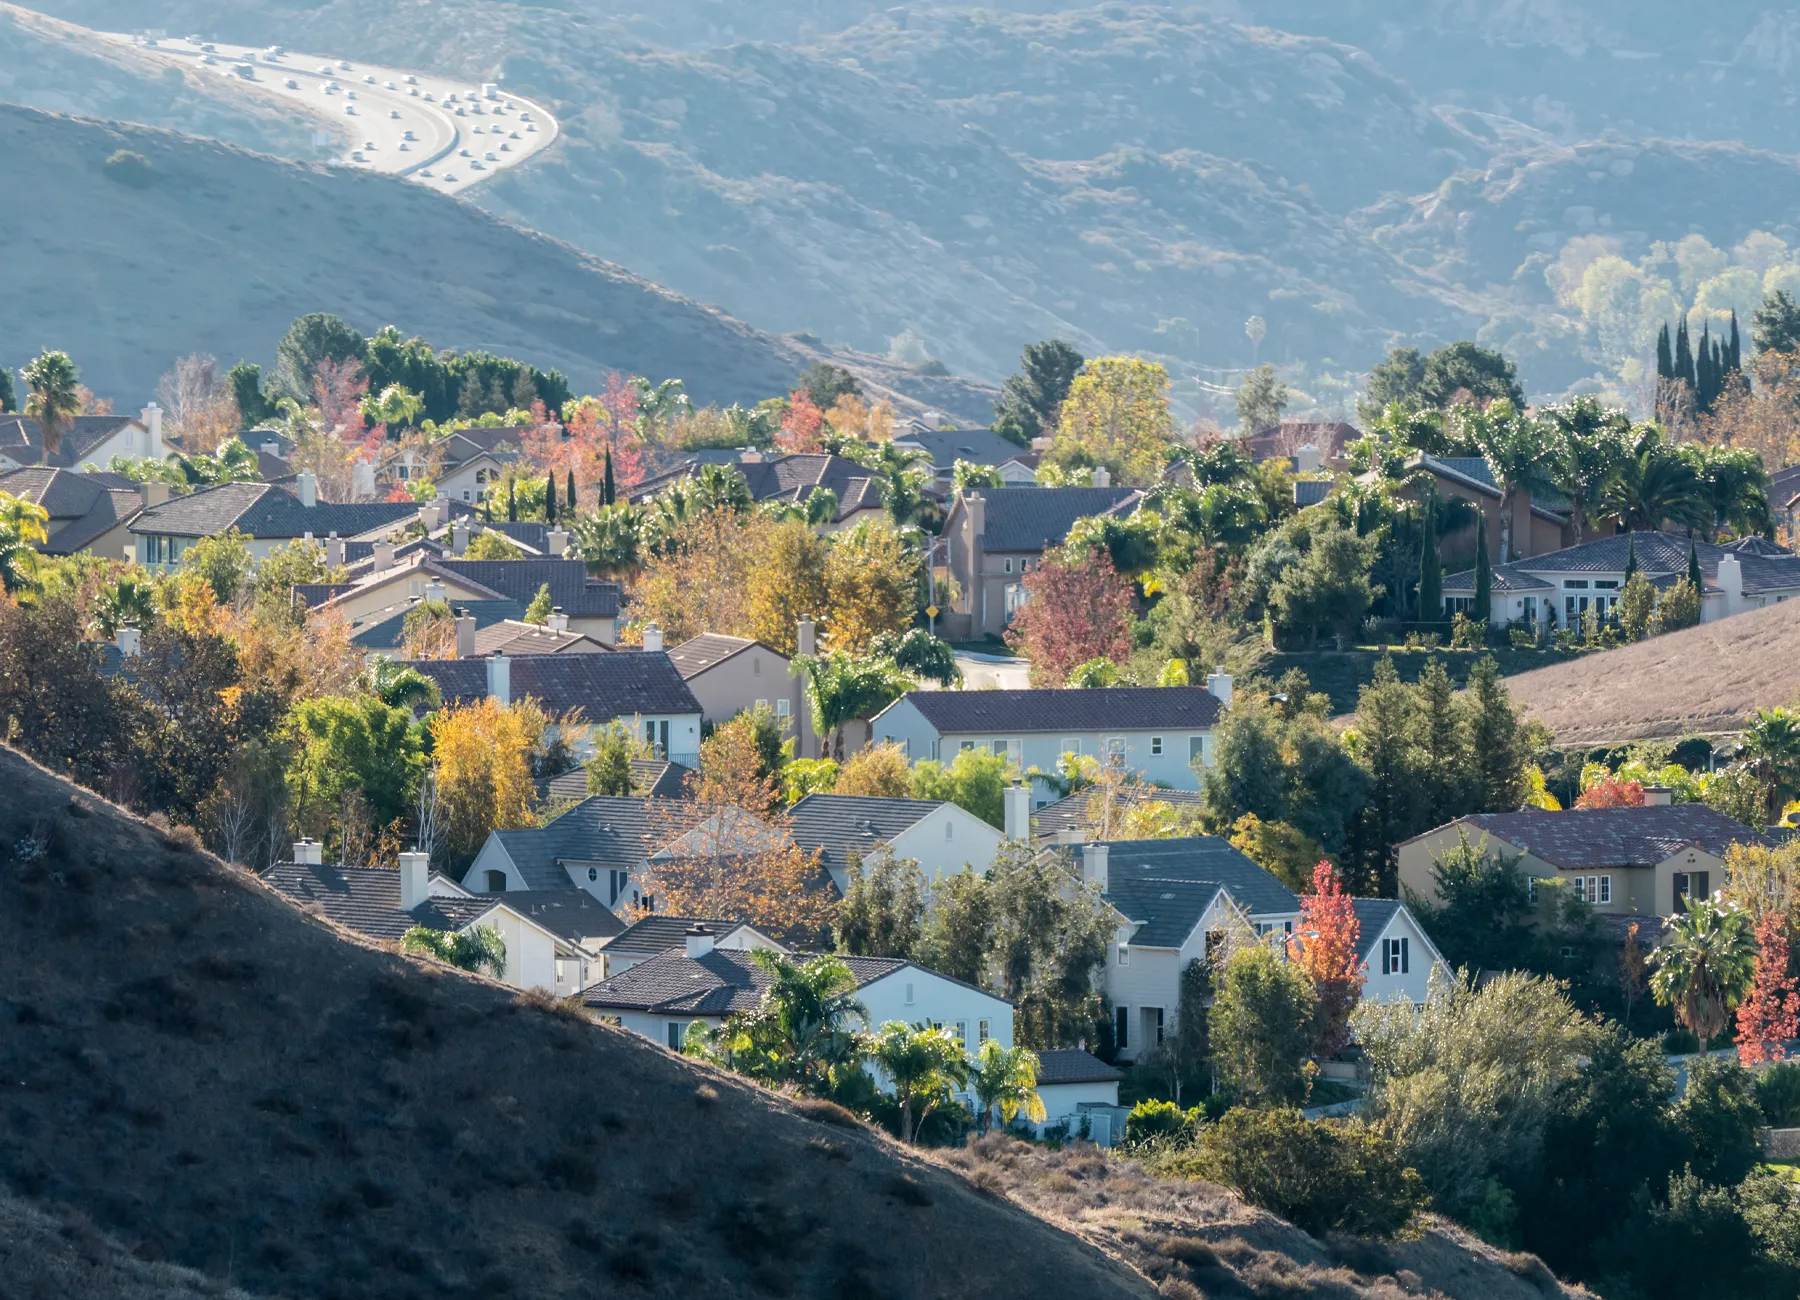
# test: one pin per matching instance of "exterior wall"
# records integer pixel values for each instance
(373, 604)
(754, 675)
(938, 1001)
(460, 484)
(946, 840)
(603, 630)
(1416, 983)
(656, 1028)
(1062, 1100)
(494, 857)
(110, 544)
(530, 952)
(684, 733)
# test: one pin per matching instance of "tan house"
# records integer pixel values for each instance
(1622, 861)
(1540, 524)
(729, 674)
(88, 512)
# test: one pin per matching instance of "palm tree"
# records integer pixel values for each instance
(919, 652)
(1654, 485)
(842, 688)
(1587, 447)
(1735, 488)
(821, 507)
(1704, 966)
(925, 1066)
(480, 950)
(1772, 742)
(395, 407)
(608, 540)
(1006, 1077)
(124, 603)
(399, 685)
(22, 526)
(802, 1033)
(1516, 449)
(53, 381)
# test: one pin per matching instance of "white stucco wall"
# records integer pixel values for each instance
(1416, 982)
(1061, 1100)
(947, 839)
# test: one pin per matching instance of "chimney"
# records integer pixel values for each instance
(1307, 459)
(1219, 683)
(976, 505)
(152, 420)
(334, 551)
(154, 493)
(1018, 812)
(362, 479)
(306, 487)
(384, 557)
(465, 636)
(414, 868)
(1731, 582)
(806, 637)
(559, 621)
(1093, 865)
(559, 541)
(309, 852)
(1658, 796)
(652, 638)
(459, 539)
(270, 448)
(699, 941)
(750, 456)
(435, 591)
(499, 679)
(128, 640)
(1102, 476)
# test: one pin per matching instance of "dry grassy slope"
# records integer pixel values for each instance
(222, 1084)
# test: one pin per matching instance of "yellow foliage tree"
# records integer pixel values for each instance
(1117, 415)
(720, 860)
(786, 584)
(871, 586)
(702, 581)
(877, 771)
(483, 762)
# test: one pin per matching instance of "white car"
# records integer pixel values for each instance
(491, 156)
(291, 84)
(426, 97)
(356, 156)
(276, 51)
(414, 92)
(327, 70)
(479, 130)
(370, 79)
(513, 136)
(532, 127)
(344, 64)
(349, 94)
(449, 176)
(524, 117)
(411, 80)
(459, 110)
(408, 135)
(425, 171)
(464, 153)
(207, 58)
(477, 165)
(392, 86)
(350, 108)
(368, 144)
(403, 146)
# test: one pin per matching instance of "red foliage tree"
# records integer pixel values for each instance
(1770, 1015)
(592, 426)
(1072, 613)
(1328, 946)
(801, 425)
(340, 389)
(1612, 794)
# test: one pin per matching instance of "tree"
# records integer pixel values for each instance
(1328, 589)
(1772, 743)
(1462, 373)
(398, 685)
(52, 383)
(1262, 1028)
(975, 781)
(609, 767)
(801, 1033)
(539, 610)
(1770, 1015)
(1632, 967)
(841, 689)
(1328, 945)
(721, 859)
(310, 340)
(1397, 381)
(9, 400)
(352, 745)
(1046, 948)
(1261, 398)
(883, 914)
(1608, 793)
(1073, 612)
(877, 771)
(482, 758)
(1287, 854)
(1431, 567)
(1030, 399)
(23, 527)
(480, 949)
(825, 383)
(1704, 966)
(1117, 415)
(223, 561)
(1480, 909)
(55, 705)
(871, 586)
(1637, 607)
(1679, 607)
(737, 767)
(124, 602)
(245, 382)
(925, 1067)
(1005, 1079)
(1776, 325)
(1481, 610)
(1496, 738)
(786, 583)
(1655, 484)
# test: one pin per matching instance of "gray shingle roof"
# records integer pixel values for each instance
(367, 900)
(516, 637)
(784, 478)
(1071, 813)
(656, 934)
(600, 831)
(1372, 917)
(261, 510)
(82, 507)
(1765, 566)
(978, 446)
(570, 587)
(1545, 500)
(721, 983)
(839, 825)
(650, 779)
(697, 654)
(1168, 885)
(23, 438)
(568, 913)
(1580, 838)
(1067, 712)
(602, 686)
(1035, 519)
(1072, 1065)
(1311, 491)
(390, 633)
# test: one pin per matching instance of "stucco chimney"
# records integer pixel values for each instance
(154, 493)
(559, 621)
(1018, 812)
(1093, 865)
(414, 868)
(499, 670)
(1731, 582)
(1102, 476)
(308, 852)
(975, 505)
(699, 941)
(362, 479)
(1658, 796)
(334, 551)
(1307, 459)
(806, 636)
(436, 591)
(1219, 683)
(559, 541)
(128, 639)
(465, 634)
(384, 557)
(306, 487)
(152, 421)
(459, 538)
(652, 638)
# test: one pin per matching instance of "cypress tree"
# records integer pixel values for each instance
(512, 501)
(1431, 569)
(570, 501)
(1684, 355)
(1706, 384)
(1693, 565)
(606, 489)
(550, 500)
(1665, 359)
(1734, 352)
(1630, 555)
(1483, 611)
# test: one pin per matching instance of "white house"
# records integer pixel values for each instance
(1399, 955)
(269, 517)
(1162, 733)
(553, 938)
(655, 935)
(598, 846)
(1080, 1092)
(86, 440)
(941, 837)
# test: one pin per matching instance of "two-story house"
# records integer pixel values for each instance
(941, 837)
(1162, 733)
(790, 480)
(88, 512)
(732, 674)
(269, 517)
(87, 440)
(1016, 465)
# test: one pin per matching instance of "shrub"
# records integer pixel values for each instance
(1152, 1119)
(131, 169)
(1778, 1094)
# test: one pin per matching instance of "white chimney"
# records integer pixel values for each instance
(1068, 837)
(128, 639)
(1102, 476)
(152, 420)
(414, 868)
(1307, 459)
(384, 557)
(1018, 812)
(334, 551)
(806, 636)
(559, 541)
(465, 634)
(1093, 865)
(1219, 683)
(306, 487)
(1658, 796)
(699, 941)
(270, 448)
(362, 479)
(459, 539)
(499, 678)
(652, 638)
(308, 852)
(559, 621)
(1731, 582)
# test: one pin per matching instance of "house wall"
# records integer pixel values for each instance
(938, 1001)
(110, 544)
(1062, 1100)
(603, 630)
(1151, 978)
(373, 604)
(530, 952)
(1416, 982)
(755, 675)
(947, 839)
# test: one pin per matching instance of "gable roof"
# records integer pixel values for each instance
(88, 504)
(697, 654)
(1035, 519)
(570, 587)
(569, 913)
(1066, 712)
(977, 446)
(602, 686)
(514, 636)
(656, 934)
(1072, 1065)
(22, 438)
(1581, 838)
(651, 778)
(723, 982)
(367, 900)
(1373, 915)
(1070, 813)
(1167, 885)
(601, 831)
(1475, 472)
(839, 826)
(390, 633)
(790, 478)
(264, 511)
(1765, 566)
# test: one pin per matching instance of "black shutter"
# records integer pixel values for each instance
(1405, 957)
(1385, 960)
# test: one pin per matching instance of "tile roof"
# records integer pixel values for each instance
(602, 686)
(1072, 1065)
(841, 825)
(367, 900)
(1311, 491)
(1168, 885)
(1765, 566)
(89, 505)
(390, 633)
(569, 913)
(697, 654)
(650, 779)
(22, 438)
(1579, 838)
(1066, 712)
(497, 442)
(783, 478)
(947, 446)
(1071, 813)
(1372, 917)
(656, 934)
(261, 510)
(600, 831)
(527, 533)
(722, 983)
(516, 637)
(570, 587)
(1035, 519)
(1328, 436)
(1474, 470)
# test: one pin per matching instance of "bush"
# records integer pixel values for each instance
(131, 169)
(1778, 1094)
(1158, 1119)
(1320, 1175)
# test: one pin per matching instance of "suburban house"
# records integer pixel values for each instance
(1540, 523)
(86, 440)
(1017, 466)
(88, 512)
(639, 688)
(388, 636)
(661, 997)
(1398, 954)
(789, 479)
(464, 464)
(942, 837)
(1309, 444)
(514, 637)
(552, 937)
(654, 935)
(1159, 732)
(1635, 862)
(731, 674)
(1080, 1093)
(995, 538)
(599, 846)
(1564, 585)
(1076, 815)
(269, 517)
(650, 779)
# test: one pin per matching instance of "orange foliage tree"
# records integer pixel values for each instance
(1074, 613)
(802, 425)
(1770, 1015)
(1612, 794)
(1328, 947)
(723, 861)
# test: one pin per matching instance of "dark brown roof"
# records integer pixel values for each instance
(603, 686)
(1072, 1065)
(1581, 838)
(1066, 712)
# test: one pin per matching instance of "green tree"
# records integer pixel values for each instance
(1704, 966)
(245, 381)
(1496, 739)
(842, 688)
(1587, 446)
(1719, 1115)
(23, 527)
(609, 768)
(1481, 611)
(1047, 948)
(492, 544)
(1637, 607)
(1005, 1079)
(309, 341)
(1517, 450)
(959, 928)
(1431, 567)
(539, 610)
(1261, 399)
(1328, 589)
(52, 383)
(1029, 399)
(399, 686)
(802, 1033)
(825, 383)
(124, 602)
(1464, 373)
(345, 744)
(9, 399)
(1117, 415)
(975, 781)
(1480, 908)
(1776, 325)
(1261, 1028)
(1655, 484)
(925, 1067)
(1397, 381)
(883, 913)
(1679, 607)
(481, 949)
(223, 560)
(1771, 742)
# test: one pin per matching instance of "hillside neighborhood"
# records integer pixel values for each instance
(1378, 798)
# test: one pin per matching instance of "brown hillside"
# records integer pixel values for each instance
(223, 1084)
(1700, 681)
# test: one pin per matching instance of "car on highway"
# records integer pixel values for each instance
(291, 84)
(408, 135)
(464, 153)
(350, 108)
(344, 64)
(425, 172)
(411, 80)
(449, 176)
(368, 144)
(393, 115)
(207, 58)
(356, 155)
(477, 165)
(392, 86)
(491, 156)
(370, 79)
(210, 48)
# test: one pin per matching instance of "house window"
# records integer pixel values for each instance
(652, 730)
(593, 873)
(1395, 959)
(1070, 745)
(1531, 889)
(616, 883)
(981, 1028)
(949, 830)
(1121, 1028)
(967, 744)
(496, 882)
(756, 665)
(1115, 750)
(1200, 749)
(1124, 954)
(962, 1034)
(1013, 751)
(675, 1035)
(1605, 895)
(762, 704)
(1153, 1026)
(1691, 884)
(1156, 744)
(909, 995)
(783, 708)
(1006, 566)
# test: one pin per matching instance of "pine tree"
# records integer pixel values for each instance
(1665, 360)
(512, 501)
(607, 490)
(1734, 351)
(1630, 555)
(570, 500)
(1496, 740)
(1694, 567)
(1431, 569)
(1684, 355)
(550, 500)
(1483, 610)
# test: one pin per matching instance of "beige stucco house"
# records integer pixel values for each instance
(729, 674)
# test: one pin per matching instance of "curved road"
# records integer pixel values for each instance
(436, 131)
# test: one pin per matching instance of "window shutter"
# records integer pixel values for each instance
(1385, 962)
(1405, 955)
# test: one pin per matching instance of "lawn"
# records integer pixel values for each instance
(1341, 674)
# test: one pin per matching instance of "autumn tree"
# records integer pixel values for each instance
(735, 769)
(871, 586)
(877, 771)
(1073, 612)
(785, 584)
(483, 754)
(1608, 793)
(801, 425)
(198, 403)
(719, 859)
(1770, 1014)
(701, 580)
(1632, 969)
(1328, 946)
(1116, 414)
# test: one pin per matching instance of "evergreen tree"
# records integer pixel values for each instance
(1484, 575)
(1665, 359)
(1431, 569)
(1734, 353)
(8, 397)
(1693, 572)
(570, 501)
(1705, 383)
(1496, 740)
(1684, 355)
(1630, 555)
(512, 501)
(606, 489)
(550, 500)
(1444, 749)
